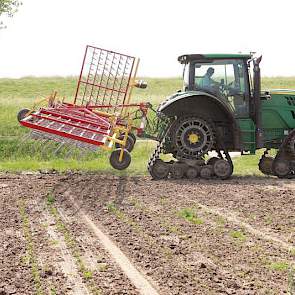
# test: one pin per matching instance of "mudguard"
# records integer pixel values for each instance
(210, 106)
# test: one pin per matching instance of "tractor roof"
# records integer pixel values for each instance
(186, 58)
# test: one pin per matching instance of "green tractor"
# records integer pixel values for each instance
(222, 108)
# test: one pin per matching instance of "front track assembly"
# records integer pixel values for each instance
(216, 167)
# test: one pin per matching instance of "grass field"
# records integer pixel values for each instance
(19, 93)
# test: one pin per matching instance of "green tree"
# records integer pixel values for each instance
(8, 8)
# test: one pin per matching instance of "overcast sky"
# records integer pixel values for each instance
(48, 37)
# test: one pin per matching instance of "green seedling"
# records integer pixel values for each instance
(30, 248)
(292, 251)
(235, 234)
(279, 266)
(190, 215)
(291, 281)
(87, 274)
(53, 242)
(102, 266)
(50, 199)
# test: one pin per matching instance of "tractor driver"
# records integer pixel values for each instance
(207, 82)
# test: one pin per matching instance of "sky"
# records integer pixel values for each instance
(48, 37)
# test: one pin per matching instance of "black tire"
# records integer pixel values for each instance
(159, 170)
(206, 172)
(114, 159)
(212, 161)
(132, 135)
(265, 165)
(281, 168)
(222, 169)
(177, 171)
(192, 137)
(129, 143)
(192, 172)
(291, 145)
(22, 114)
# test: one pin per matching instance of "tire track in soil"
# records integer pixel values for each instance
(186, 242)
(64, 259)
(253, 259)
(263, 234)
(178, 202)
(99, 183)
(108, 276)
(136, 276)
(52, 276)
(182, 271)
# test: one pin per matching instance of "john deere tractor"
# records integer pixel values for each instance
(222, 108)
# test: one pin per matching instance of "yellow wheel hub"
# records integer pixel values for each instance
(193, 138)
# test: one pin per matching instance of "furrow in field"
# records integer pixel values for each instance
(105, 274)
(252, 262)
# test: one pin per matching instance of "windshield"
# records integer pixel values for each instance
(226, 79)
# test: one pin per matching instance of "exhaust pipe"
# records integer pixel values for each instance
(257, 102)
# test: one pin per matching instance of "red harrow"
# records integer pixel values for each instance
(101, 114)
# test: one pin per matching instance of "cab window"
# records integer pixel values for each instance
(225, 79)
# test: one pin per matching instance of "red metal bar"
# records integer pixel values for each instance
(82, 120)
(100, 86)
(69, 124)
(61, 133)
(81, 73)
(131, 71)
(111, 51)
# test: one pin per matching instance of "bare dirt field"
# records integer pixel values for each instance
(103, 234)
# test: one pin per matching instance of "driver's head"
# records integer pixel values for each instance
(210, 71)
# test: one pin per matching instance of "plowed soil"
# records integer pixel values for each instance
(184, 237)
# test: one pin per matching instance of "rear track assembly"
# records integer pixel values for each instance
(283, 164)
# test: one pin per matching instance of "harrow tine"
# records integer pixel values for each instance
(69, 153)
(23, 141)
(61, 145)
(48, 148)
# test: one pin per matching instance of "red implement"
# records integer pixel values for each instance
(100, 113)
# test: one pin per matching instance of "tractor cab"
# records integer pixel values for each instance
(222, 75)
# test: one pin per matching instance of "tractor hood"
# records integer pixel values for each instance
(281, 91)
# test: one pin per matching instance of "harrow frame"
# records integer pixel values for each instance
(100, 115)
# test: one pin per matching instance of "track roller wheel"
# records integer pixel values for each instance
(206, 172)
(22, 114)
(177, 171)
(159, 170)
(129, 143)
(212, 160)
(192, 172)
(265, 165)
(114, 159)
(222, 169)
(281, 168)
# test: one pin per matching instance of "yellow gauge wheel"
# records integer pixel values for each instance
(193, 138)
